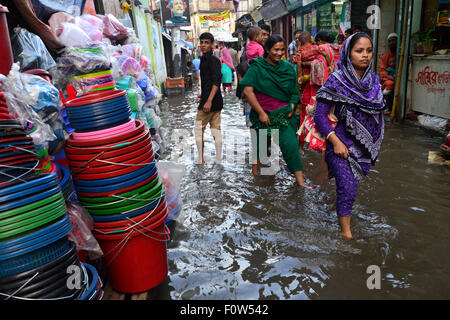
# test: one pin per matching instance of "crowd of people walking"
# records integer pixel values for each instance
(313, 91)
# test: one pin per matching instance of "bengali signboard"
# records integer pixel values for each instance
(430, 78)
(225, 15)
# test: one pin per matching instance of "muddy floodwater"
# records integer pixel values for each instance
(264, 238)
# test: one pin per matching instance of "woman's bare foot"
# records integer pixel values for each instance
(308, 187)
(344, 222)
(346, 236)
(301, 181)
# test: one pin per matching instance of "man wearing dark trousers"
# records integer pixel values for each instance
(211, 101)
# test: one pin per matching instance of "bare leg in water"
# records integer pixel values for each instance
(344, 222)
(301, 180)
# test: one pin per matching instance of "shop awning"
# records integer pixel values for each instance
(243, 23)
(293, 4)
(309, 4)
(273, 10)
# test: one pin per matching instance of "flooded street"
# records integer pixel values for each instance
(265, 238)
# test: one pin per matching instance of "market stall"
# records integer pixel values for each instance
(80, 179)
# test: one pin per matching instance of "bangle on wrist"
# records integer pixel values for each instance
(329, 135)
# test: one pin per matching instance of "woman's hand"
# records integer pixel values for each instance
(340, 149)
(264, 118)
(292, 112)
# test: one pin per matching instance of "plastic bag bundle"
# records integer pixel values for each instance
(130, 67)
(146, 85)
(132, 50)
(71, 35)
(91, 25)
(113, 28)
(92, 57)
(30, 52)
(46, 102)
(23, 94)
(432, 122)
(81, 233)
(57, 19)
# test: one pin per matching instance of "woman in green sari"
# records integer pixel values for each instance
(270, 86)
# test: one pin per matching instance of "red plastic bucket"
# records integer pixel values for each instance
(137, 260)
(6, 56)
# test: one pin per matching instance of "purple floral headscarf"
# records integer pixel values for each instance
(365, 91)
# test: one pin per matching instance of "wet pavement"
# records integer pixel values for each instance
(264, 238)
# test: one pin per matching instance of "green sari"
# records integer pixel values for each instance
(279, 82)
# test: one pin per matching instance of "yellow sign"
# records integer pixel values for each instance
(225, 15)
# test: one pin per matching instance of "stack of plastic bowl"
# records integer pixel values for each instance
(65, 181)
(35, 252)
(34, 249)
(17, 152)
(116, 180)
(94, 285)
(97, 111)
(4, 111)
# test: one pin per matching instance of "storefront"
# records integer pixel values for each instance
(295, 20)
(430, 63)
(316, 15)
(241, 27)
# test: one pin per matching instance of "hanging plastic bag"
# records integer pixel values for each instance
(81, 233)
(172, 173)
(30, 52)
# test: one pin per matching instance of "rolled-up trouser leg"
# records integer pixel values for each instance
(346, 184)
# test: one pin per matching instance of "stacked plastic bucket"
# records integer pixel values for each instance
(114, 171)
(35, 252)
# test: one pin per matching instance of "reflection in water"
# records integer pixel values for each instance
(265, 238)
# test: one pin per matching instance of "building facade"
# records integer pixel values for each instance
(212, 16)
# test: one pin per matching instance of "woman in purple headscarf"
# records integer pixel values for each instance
(353, 93)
